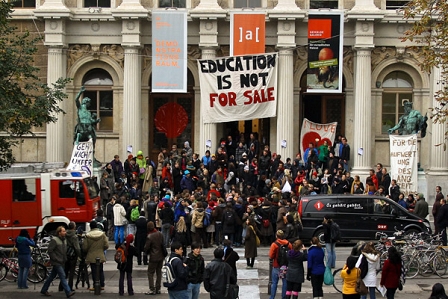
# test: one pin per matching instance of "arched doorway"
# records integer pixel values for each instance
(171, 119)
(323, 107)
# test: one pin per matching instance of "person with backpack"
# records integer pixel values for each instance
(101, 221)
(132, 214)
(196, 265)
(197, 220)
(278, 253)
(295, 274)
(229, 220)
(179, 288)
(95, 244)
(217, 274)
(316, 268)
(368, 262)
(73, 253)
(126, 268)
(155, 248)
(332, 235)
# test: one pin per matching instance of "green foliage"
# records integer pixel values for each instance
(25, 102)
(430, 34)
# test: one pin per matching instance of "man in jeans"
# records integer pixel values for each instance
(273, 255)
(57, 249)
(330, 242)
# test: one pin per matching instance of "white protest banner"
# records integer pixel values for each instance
(82, 157)
(403, 161)
(238, 87)
(316, 134)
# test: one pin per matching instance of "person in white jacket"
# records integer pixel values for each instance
(119, 221)
(370, 256)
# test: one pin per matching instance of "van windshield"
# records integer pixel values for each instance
(92, 186)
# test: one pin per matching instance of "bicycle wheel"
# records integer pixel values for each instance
(3, 271)
(439, 265)
(338, 281)
(38, 273)
(425, 265)
(13, 272)
(411, 265)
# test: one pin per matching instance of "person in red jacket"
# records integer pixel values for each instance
(390, 277)
(273, 255)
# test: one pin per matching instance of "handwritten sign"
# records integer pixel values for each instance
(82, 157)
(403, 161)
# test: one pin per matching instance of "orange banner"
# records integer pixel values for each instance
(248, 33)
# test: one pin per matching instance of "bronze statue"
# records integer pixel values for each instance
(85, 128)
(411, 122)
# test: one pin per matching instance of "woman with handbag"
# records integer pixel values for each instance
(349, 275)
(368, 262)
(250, 243)
(295, 274)
(392, 270)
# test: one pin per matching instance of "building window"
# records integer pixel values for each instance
(172, 3)
(397, 86)
(396, 4)
(98, 85)
(24, 3)
(97, 3)
(316, 4)
(247, 3)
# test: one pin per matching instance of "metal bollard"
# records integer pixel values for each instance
(97, 284)
(270, 276)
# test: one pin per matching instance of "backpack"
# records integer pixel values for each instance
(168, 276)
(207, 217)
(120, 256)
(282, 254)
(101, 224)
(135, 213)
(230, 218)
(335, 232)
(363, 266)
(71, 253)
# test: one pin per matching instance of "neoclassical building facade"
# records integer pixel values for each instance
(106, 46)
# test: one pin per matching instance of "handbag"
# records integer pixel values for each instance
(257, 239)
(232, 290)
(361, 288)
(328, 276)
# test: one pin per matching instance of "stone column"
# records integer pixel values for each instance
(285, 104)
(56, 137)
(207, 131)
(437, 174)
(132, 114)
(361, 164)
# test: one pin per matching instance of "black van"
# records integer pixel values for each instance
(359, 216)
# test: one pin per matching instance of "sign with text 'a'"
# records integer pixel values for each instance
(247, 35)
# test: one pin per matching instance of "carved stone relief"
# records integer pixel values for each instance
(147, 56)
(75, 52)
(381, 53)
(348, 58)
(116, 52)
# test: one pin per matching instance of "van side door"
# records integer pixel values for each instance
(351, 217)
(384, 215)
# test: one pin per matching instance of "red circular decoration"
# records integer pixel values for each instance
(171, 119)
(310, 137)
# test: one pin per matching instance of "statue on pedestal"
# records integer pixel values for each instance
(411, 122)
(85, 128)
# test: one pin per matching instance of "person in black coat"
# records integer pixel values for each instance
(295, 275)
(140, 238)
(442, 220)
(230, 256)
(216, 275)
(127, 267)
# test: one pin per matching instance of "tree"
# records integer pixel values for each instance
(430, 34)
(25, 102)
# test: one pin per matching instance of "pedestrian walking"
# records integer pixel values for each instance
(370, 256)
(349, 275)
(196, 265)
(154, 247)
(217, 274)
(295, 275)
(392, 271)
(23, 243)
(73, 253)
(276, 249)
(57, 250)
(180, 288)
(126, 268)
(316, 268)
(94, 245)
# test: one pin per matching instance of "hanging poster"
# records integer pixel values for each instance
(82, 157)
(247, 35)
(169, 51)
(316, 133)
(325, 51)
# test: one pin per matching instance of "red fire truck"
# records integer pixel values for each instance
(42, 201)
